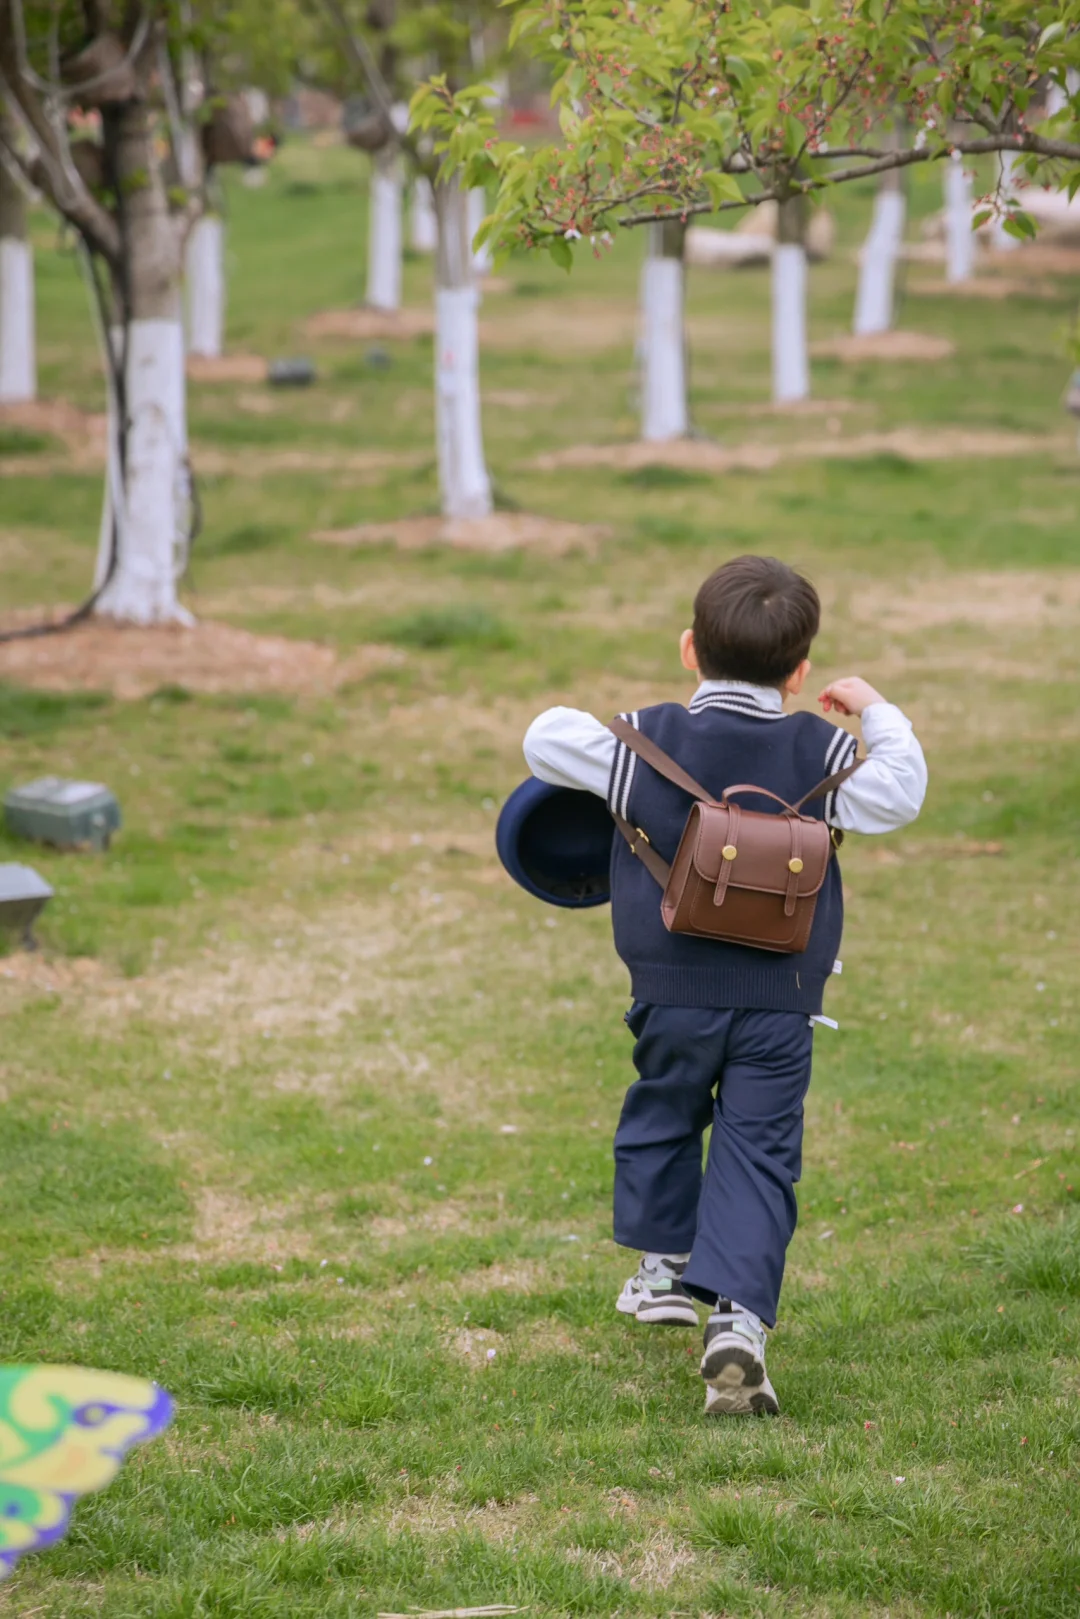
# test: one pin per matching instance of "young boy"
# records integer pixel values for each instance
(723, 1031)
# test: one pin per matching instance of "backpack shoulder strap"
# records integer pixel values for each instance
(645, 749)
(655, 864)
(824, 788)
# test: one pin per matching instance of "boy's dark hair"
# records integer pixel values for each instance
(754, 620)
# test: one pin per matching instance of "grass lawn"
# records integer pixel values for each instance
(306, 1112)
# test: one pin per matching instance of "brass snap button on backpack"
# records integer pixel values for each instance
(729, 851)
(795, 865)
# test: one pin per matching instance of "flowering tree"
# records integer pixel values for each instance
(671, 108)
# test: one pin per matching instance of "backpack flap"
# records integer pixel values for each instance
(737, 848)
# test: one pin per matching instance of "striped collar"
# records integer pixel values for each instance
(739, 697)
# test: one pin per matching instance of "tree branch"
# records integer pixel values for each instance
(53, 172)
(360, 54)
(881, 163)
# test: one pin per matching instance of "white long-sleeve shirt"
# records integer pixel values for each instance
(568, 747)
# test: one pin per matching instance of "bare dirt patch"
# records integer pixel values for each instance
(653, 1563)
(56, 416)
(226, 368)
(258, 464)
(477, 1347)
(518, 399)
(1041, 258)
(1017, 600)
(34, 971)
(698, 455)
(794, 407)
(895, 345)
(560, 325)
(996, 287)
(502, 531)
(229, 1226)
(83, 434)
(367, 325)
(132, 662)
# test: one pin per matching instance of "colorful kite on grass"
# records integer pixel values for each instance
(64, 1431)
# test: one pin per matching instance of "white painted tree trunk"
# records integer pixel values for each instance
(18, 368)
(877, 273)
(18, 360)
(463, 480)
(423, 226)
(959, 236)
(142, 589)
(149, 483)
(478, 211)
(384, 231)
(664, 412)
(205, 275)
(790, 356)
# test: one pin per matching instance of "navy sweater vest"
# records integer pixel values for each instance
(720, 743)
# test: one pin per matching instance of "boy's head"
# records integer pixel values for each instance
(754, 620)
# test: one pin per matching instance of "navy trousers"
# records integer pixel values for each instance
(746, 1073)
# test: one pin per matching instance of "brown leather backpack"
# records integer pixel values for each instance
(744, 876)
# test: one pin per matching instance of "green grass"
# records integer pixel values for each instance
(253, 1090)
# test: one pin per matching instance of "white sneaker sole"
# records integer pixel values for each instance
(672, 1312)
(737, 1382)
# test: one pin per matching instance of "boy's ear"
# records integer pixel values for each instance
(794, 683)
(688, 651)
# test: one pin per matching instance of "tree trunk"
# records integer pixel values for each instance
(664, 413)
(204, 264)
(150, 515)
(478, 209)
(881, 250)
(790, 356)
(18, 368)
(959, 237)
(423, 226)
(463, 479)
(384, 230)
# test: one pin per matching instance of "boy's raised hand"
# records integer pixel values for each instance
(849, 696)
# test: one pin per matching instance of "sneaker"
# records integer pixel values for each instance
(733, 1365)
(657, 1294)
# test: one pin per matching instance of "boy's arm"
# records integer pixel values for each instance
(888, 791)
(569, 748)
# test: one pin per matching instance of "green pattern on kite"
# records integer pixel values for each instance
(64, 1432)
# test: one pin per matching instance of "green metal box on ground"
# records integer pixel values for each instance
(67, 814)
(23, 895)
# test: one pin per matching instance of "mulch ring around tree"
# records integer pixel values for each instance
(502, 531)
(131, 662)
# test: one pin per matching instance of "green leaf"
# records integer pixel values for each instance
(1020, 225)
(560, 251)
(1052, 31)
(722, 188)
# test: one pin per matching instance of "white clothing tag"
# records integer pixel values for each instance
(829, 1022)
(838, 966)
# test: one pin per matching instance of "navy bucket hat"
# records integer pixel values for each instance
(556, 842)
